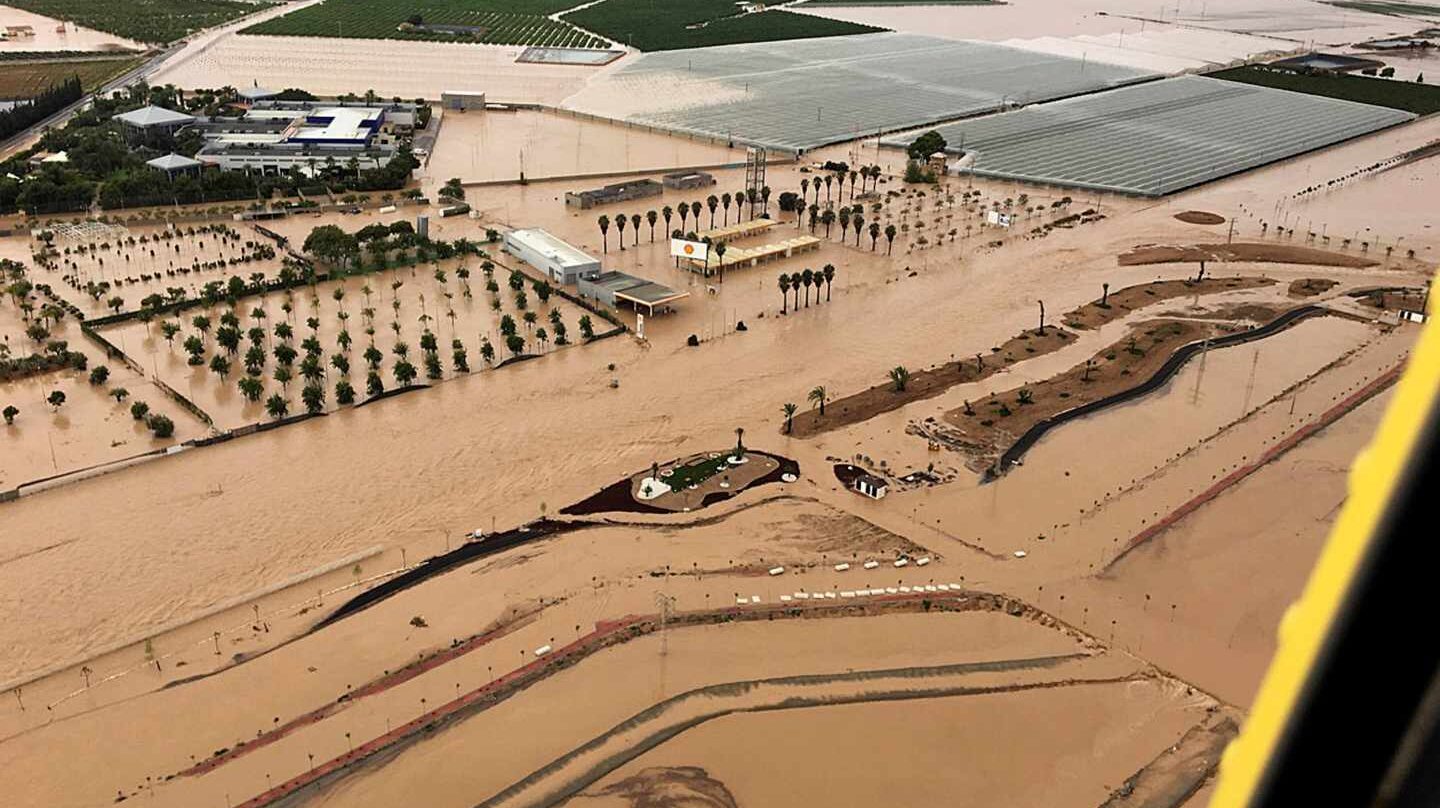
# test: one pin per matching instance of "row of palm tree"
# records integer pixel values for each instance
(865, 175)
(805, 279)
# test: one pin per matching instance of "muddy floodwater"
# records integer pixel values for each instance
(1044, 606)
(53, 35)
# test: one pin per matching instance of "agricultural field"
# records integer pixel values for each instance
(902, 3)
(28, 79)
(1392, 7)
(1421, 99)
(144, 20)
(493, 22)
(656, 25)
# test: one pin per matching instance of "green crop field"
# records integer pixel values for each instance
(655, 25)
(142, 20)
(496, 22)
(29, 79)
(1391, 7)
(1422, 99)
(903, 3)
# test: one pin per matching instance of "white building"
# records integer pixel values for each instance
(462, 100)
(276, 136)
(559, 260)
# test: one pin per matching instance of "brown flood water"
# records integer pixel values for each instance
(496, 446)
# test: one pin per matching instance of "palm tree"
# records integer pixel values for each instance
(725, 200)
(666, 213)
(604, 222)
(789, 409)
(844, 224)
(712, 201)
(899, 377)
(620, 222)
(827, 218)
(277, 406)
(889, 238)
(684, 214)
(764, 200)
(874, 235)
(817, 397)
(651, 217)
(635, 228)
(805, 191)
(828, 272)
(807, 278)
(859, 222)
(784, 283)
(814, 216)
(720, 249)
(829, 178)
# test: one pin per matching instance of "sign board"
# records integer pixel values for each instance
(698, 250)
(997, 218)
(639, 325)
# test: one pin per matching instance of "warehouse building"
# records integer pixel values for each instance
(461, 100)
(686, 180)
(614, 288)
(615, 192)
(558, 259)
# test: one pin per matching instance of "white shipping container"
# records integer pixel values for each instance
(902, 562)
(542, 650)
(870, 565)
(922, 561)
(777, 570)
(841, 567)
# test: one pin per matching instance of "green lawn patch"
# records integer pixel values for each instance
(495, 22)
(1421, 99)
(697, 472)
(143, 20)
(657, 25)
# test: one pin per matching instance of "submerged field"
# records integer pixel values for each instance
(29, 79)
(494, 22)
(653, 25)
(144, 20)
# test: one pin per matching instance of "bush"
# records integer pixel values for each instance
(161, 425)
(138, 410)
(693, 341)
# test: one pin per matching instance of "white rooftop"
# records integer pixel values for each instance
(153, 116)
(172, 162)
(561, 251)
(346, 123)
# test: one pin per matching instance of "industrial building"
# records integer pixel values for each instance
(614, 288)
(277, 136)
(558, 259)
(615, 192)
(461, 100)
(1328, 63)
(686, 180)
